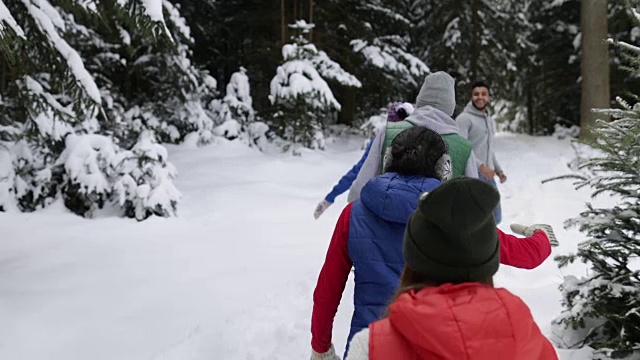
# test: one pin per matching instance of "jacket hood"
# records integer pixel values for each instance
(474, 111)
(466, 321)
(433, 119)
(394, 197)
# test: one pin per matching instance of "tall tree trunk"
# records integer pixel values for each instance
(594, 63)
(311, 4)
(282, 23)
(530, 114)
(348, 101)
(473, 71)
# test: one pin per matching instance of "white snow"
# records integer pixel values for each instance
(6, 179)
(327, 68)
(390, 13)
(177, 20)
(45, 22)
(391, 58)
(232, 276)
(238, 87)
(87, 159)
(230, 129)
(7, 18)
(51, 13)
(153, 8)
(298, 78)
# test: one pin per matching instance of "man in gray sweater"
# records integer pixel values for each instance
(476, 125)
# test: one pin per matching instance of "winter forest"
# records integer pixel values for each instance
(161, 160)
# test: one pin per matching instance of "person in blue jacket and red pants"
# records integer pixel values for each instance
(369, 233)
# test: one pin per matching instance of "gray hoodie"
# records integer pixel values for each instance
(425, 116)
(480, 129)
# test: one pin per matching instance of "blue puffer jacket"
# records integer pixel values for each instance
(376, 229)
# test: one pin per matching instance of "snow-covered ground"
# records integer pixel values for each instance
(232, 277)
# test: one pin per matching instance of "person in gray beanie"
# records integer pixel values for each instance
(446, 306)
(435, 104)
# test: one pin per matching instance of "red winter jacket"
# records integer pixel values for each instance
(467, 321)
(525, 253)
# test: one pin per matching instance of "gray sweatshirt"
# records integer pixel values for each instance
(425, 116)
(480, 129)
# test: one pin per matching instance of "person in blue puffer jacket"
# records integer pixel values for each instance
(369, 233)
(396, 111)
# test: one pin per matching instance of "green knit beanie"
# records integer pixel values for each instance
(451, 236)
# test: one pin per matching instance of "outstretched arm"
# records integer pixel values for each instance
(524, 253)
(347, 179)
(331, 283)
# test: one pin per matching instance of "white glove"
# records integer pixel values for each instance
(530, 230)
(329, 355)
(322, 206)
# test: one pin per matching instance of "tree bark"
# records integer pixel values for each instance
(311, 4)
(594, 66)
(473, 71)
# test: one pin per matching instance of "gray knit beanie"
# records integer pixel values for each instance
(438, 90)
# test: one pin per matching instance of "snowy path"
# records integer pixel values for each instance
(233, 276)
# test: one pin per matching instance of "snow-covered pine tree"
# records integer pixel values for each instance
(88, 163)
(145, 180)
(236, 108)
(301, 97)
(601, 309)
(148, 83)
(70, 69)
(476, 39)
(373, 40)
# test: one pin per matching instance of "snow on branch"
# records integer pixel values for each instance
(390, 58)
(7, 18)
(177, 20)
(74, 61)
(302, 25)
(624, 45)
(297, 78)
(153, 8)
(327, 68)
(390, 13)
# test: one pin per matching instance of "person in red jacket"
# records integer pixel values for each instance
(446, 306)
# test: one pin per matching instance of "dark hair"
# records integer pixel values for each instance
(479, 83)
(413, 280)
(415, 152)
(402, 113)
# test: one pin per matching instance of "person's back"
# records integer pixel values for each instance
(429, 117)
(369, 232)
(377, 224)
(465, 321)
(446, 306)
(434, 106)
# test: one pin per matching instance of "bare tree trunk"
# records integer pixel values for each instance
(473, 73)
(311, 4)
(282, 23)
(594, 63)
(530, 114)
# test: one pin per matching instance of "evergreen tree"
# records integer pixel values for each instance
(71, 70)
(371, 39)
(237, 105)
(602, 307)
(302, 99)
